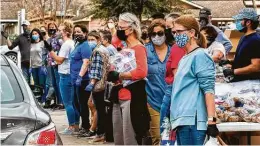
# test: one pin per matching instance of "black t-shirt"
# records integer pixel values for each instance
(247, 49)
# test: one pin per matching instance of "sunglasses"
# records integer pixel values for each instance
(159, 33)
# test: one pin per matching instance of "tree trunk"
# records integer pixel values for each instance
(254, 5)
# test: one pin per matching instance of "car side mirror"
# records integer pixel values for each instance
(37, 91)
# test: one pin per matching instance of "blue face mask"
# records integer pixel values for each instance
(92, 44)
(239, 26)
(181, 39)
(35, 37)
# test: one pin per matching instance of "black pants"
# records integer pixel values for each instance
(81, 103)
(98, 98)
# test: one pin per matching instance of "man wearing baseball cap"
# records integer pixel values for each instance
(24, 43)
(246, 65)
(205, 20)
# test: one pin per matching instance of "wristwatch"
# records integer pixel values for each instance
(213, 119)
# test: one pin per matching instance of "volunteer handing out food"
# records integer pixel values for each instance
(246, 65)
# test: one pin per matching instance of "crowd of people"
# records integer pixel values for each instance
(171, 96)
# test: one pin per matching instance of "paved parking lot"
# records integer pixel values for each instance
(60, 120)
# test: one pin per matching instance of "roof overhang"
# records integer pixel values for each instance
(8, 20)
(192, 4)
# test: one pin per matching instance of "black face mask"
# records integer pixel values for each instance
(168, 34)
(43, 33)
(52, 31)
(79, 38)
(210, 40)
(144, 36)
(203, 22)
(121, 35)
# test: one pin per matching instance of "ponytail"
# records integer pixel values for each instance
(202, 42)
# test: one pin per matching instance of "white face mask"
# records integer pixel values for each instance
(157, 40)
(111, 25)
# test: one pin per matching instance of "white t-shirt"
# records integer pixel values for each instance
(216, 46)
(65, 50)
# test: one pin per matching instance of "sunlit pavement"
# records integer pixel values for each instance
(60, 120)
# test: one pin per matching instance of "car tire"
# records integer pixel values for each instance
(12, 56)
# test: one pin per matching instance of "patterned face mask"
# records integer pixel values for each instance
(181, 39)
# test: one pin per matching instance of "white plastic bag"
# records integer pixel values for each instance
(212, 142)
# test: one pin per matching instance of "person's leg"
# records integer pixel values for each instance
(66, 91)
(117, 125)
(154, 125)
(42, 81)
(198, 136)
(98, 98)
(83, 102)
(26, 74)
(93, 114)
(75, 97)
(128, 130)
(57, 89)
(184, 136)
(35, 75)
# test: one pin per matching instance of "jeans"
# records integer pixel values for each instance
(165, 107)
(67, 95)
(98, 98)
(40, 80)
(26, 74)
(189, 135)
(81, 103)
(55, 84)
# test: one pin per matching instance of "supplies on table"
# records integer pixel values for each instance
(238, 102)
(124, 61)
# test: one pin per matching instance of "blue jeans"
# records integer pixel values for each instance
(55, 83)
(189, 135)
(67, 94)
(40, 80)
(165, 107)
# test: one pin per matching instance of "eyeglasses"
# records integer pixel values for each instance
(123, 28)
(159, 33)
(179, 31)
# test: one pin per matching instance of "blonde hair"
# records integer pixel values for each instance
(190, 22)
(132, 21)
(68, 28)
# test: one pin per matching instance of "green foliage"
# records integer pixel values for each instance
(107, 8)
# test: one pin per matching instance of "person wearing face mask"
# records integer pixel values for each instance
(79, 61)
(99, 63)
(205, 20)
(215, 49)
(112, 24)
(130, 113)
(24, 43)
(158, 51)
(192, 111)
(66, 89)
(169, 26)
(56, 43)
(246, 64)
(38, 66)
(144, 36)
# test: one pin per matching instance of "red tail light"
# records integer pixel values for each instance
(47, 137)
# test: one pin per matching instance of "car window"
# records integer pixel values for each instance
(9, 90)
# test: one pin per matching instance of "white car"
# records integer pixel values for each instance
(12, 54)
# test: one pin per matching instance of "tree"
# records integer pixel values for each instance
(107, 8)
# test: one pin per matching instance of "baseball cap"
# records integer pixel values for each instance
(246, 13)
(204, 13)
(26, 22)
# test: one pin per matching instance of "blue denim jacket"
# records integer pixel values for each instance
(156, 84)
(222, 38)
(194, 78)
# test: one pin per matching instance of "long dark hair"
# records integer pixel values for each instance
(39, 32)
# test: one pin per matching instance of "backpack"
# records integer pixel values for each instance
(101, 84)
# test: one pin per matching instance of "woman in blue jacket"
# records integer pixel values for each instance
(192, 104)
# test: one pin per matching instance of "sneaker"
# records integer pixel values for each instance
(89, 134)
(82, 131)
(68, 131)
